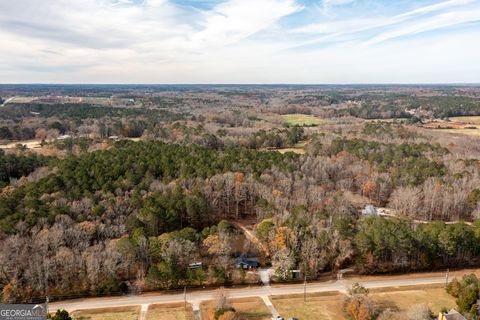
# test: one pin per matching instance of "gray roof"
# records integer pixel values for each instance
(454, 315)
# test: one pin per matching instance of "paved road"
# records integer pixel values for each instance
(196, 296)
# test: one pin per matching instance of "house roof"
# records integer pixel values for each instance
(248, 261)
(454, 315)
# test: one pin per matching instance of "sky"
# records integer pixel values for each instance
(239, 41)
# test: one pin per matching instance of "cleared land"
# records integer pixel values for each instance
(246, 308)
(294, 150)
(466, 131)
(96, 100)
(467, 119)
(457, 125)
(124, 313)
(403, 298)
(172, 311)
(22, 99)
(320, 306)
(301, 120)
(298, 148)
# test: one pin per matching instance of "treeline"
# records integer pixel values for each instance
(446, 106)
(407, 163)
(14, 167)
(48, 121)
(375, 111)
(276, 139)
(387, 245)
(82, 111)
(318, 242)
(129, 167)
(467, 292)
(396, 107)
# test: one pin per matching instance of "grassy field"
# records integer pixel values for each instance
(388, 120)
(294, 150)
(469, 132)
(247, 309)
(403, 298)
(172, 311)
(467, 119)
(96, 100)
(22, 99)
(457, 125)
(324, 306)
(124, 313)
(301, 120)
(298, 148)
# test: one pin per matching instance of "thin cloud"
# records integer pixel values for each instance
(224, 41)
(437, 22)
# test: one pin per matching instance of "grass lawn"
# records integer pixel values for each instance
(247, 309)
(172, 311)
(402, 298)
(301, 120)
(124, 313)
(319, 306)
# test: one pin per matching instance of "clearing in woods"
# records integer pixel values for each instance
(297, 119)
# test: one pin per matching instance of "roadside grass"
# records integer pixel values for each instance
(318, 306)
(402, 298)
(246, 308)
(124, 313)
(297, 119)
(414, 275)
(171, 311)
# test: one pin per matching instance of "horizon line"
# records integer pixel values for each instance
(250, 84)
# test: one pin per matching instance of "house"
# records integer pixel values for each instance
(246, 263)
(195, 265)
(370, 211)
(451, 315)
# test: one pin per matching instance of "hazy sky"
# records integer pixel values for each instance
(239, 41)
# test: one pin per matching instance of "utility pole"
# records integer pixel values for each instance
(47, 298)
(185, 296)
(446, 278)
(305, 288)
